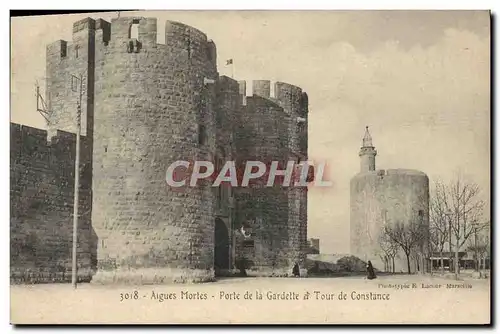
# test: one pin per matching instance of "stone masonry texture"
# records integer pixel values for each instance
(144, 106)
(42, 185)
(385, 196)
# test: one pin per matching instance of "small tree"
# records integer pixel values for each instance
(389, 251)
(486, 241)
(439, 229)
(466, 209)
(480, 244)
(409, 237)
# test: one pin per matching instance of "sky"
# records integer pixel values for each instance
(419, 79)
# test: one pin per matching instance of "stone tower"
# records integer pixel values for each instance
(380, 197)
(295, 103)
(367, 153)
(272, 126)
(146, 105)
(155, 104)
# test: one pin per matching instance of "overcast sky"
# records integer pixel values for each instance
(420, 80)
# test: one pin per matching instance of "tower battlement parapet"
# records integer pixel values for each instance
(40, 139)
(86, 23)
(290, 97)
(144, 32)
(57, 49)
(261, 88)
(229, 83)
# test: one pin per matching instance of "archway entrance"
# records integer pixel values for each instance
(221, 251)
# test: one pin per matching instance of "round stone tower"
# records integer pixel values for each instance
(381, 197)
(153, 106)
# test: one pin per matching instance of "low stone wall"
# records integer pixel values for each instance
(30, 276)
(145, 276)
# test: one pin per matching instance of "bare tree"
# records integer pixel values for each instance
(466, 209)
(389, 251)
(480, 244)
(486, 250)
(439, 229)
(409, 237)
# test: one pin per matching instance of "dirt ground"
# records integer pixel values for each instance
(399, 299)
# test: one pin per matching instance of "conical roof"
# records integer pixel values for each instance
(367, 139)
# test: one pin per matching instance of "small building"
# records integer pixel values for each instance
(467, 260)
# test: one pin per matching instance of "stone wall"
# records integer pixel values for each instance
(392, 196)
(41, 207)
(144, 106)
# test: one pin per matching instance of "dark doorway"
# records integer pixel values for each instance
(221, 252)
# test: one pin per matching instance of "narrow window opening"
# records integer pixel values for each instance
(219, 189)
(201, 134)
(189, 47)
(74, 83)
(105, 149)
(76, 51)
(134, 29)
(384, 215)
(219, 197)
(209, 54)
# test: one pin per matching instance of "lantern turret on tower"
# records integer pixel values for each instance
(367, 153)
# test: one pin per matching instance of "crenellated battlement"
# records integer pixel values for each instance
(103, 30)
(83, 24)
(40, 139)
(227, 84)
(142, 32)
(143, 29)
(261, 88)
(287, 93)
(57, 49)
(272, 90)
(290, 97)
(38, 136)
